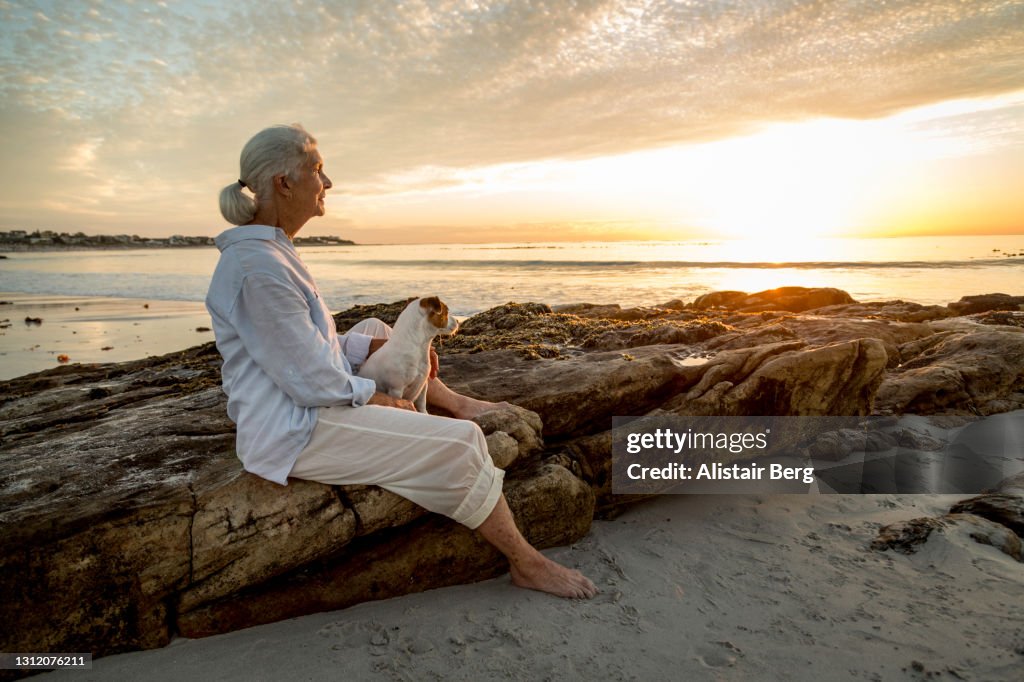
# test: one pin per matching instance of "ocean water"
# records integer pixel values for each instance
(474, 277)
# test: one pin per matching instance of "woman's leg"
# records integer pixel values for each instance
(440, 464)
(530, 568)
(461, 406)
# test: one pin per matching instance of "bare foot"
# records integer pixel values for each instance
(545, 575)
(471, 407)
(458, 405)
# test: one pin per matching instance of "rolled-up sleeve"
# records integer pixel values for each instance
(356, 348)
(274, 324)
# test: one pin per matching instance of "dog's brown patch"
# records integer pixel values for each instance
(437, 311)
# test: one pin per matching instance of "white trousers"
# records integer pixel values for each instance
(439, 463)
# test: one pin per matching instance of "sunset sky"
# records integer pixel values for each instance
(523, 121)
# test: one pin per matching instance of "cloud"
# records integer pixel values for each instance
(80, 157)
(393, 91)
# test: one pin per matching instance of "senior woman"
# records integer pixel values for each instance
(290, 378)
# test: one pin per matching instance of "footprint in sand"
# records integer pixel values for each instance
(629, 615)
(718, 654)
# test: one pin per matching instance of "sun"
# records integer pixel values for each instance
(791, 181)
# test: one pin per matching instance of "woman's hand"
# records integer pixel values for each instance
(385, 400)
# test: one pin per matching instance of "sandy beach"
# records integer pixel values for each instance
(89, 329)
(707, 587)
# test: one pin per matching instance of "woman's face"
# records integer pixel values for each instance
(311, 187)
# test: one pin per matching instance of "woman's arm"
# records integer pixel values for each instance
(273, 320)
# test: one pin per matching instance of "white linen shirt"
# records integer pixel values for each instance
(283, 357)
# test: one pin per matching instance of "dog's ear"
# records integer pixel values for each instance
(437, 312)
(431, 305)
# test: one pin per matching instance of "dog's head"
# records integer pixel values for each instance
(436, 312)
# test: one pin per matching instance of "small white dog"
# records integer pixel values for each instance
(402, 365)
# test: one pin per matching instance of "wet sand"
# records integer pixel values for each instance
(89, 330)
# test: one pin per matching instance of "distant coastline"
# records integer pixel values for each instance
(47, 240)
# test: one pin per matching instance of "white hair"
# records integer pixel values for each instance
(273, 151)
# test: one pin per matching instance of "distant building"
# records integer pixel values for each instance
(26, 239)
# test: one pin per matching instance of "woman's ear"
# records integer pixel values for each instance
(282, 185)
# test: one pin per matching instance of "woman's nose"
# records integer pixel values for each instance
(327, 183)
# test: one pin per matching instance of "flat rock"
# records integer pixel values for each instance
(1003, 318)
(978, 372)
(753, 331)
(793, 299)
(787, 379)
(575, 394)
(536, 332)
(97, 513)
(689, 332)
(551, 506)
(721, 299)
(969, 305)
(900, 311)
(613, 311)
(820, 331)
(815, 330)
(246, 530)
(376, 509)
